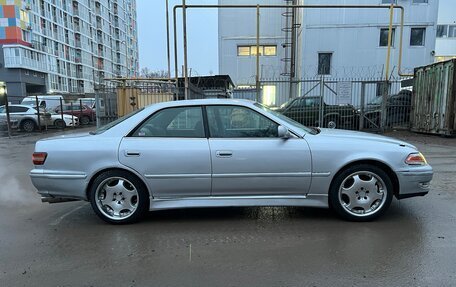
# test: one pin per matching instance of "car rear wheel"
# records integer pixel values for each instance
(331, 123)
(361, 193)
(118, 197)
(28, 125)
(60, 124)
(85, 120)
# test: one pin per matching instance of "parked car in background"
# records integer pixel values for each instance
(306, 111)
(398, 109)
(91, 103)
(215, 153)
(47, 102)
(83, 112)
(26, 117)
(68, 120)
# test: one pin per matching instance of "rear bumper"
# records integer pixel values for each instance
(414, 182)
(52, 184)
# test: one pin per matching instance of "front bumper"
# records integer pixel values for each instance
(414, 182)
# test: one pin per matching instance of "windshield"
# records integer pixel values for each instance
(114, 123)
(29, 102)
(286, 119)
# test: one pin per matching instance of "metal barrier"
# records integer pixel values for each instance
(356, 104)
(41, 113)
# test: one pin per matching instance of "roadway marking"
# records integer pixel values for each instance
(58, 220)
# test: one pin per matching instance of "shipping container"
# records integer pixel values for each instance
(434, 99)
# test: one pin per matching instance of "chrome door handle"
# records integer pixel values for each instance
(132, 153)
(223, 153)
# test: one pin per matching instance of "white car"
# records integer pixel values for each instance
(68, 120)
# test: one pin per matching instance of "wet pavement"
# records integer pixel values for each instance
(65, 244)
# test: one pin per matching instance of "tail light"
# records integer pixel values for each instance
(415, 159)
(39, 158)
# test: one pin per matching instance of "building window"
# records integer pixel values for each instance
(324, 63)
(452, 31)
(420, 1)
(389, 1)
(442, 31)
(384, 37)
(264, 50)
(417, 36)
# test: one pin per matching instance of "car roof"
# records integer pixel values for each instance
(18, 105)
(208, 102)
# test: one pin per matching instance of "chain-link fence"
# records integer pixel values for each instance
(356, 104)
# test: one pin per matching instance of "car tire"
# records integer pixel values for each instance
(85, 120)
(119, 197)
(361, 193)
(28, 126)
(331, 123)
(60, 124)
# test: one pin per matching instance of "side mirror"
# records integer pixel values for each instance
(283, 132)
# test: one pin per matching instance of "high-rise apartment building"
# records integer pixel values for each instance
(66, 46)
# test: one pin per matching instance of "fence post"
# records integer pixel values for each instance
(80, 109)
(61, 113)
(322, 92)
(363, 101)
(97, 106)
(38, 113)
(72, 116)
(8, 120)
(383, 114)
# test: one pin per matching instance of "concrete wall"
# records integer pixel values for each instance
(446, 46)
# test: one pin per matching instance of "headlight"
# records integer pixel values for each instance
(416, 159)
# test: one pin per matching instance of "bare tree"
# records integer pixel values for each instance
(147, 73)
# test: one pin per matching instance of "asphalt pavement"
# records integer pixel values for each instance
(65, 244)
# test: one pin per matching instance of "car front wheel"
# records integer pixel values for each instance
(60, 124)
(118, 197)
(361, 193)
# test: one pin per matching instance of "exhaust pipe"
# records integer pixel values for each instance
(56, 199)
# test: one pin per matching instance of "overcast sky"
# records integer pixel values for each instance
(201, 33)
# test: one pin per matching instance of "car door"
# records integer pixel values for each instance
(248, 157)
(170, 150)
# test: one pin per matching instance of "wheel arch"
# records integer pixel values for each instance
(133, 173)
(383, 166)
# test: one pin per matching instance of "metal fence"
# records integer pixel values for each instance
(356, 104)
(122, 96)
(42, 113)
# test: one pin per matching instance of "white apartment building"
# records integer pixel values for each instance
(334, 43)
(66, 46)
(445, 45)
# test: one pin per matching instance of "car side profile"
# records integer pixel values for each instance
(222, 152)
(26, 117)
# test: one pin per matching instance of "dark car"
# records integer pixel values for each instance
(83, 112)
(398, 108)
(306, 110)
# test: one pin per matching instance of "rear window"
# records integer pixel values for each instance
(114, 123)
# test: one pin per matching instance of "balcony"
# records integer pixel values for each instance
(16, 57)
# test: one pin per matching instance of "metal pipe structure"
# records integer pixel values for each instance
(167, 40)
(184, 27)
(257, 76)
(399, 71)
(390, 31)
(257, 6)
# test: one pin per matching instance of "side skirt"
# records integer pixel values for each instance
(310, 200)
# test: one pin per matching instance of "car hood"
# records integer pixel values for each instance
(354, 135)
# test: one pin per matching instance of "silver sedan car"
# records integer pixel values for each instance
(216, 153)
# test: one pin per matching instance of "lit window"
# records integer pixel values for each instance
(269, 95)
(442, 31)
(324, 63)
(384, 37)
(417, 36)
(270, 50)
(243, 51)
(253, 50)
